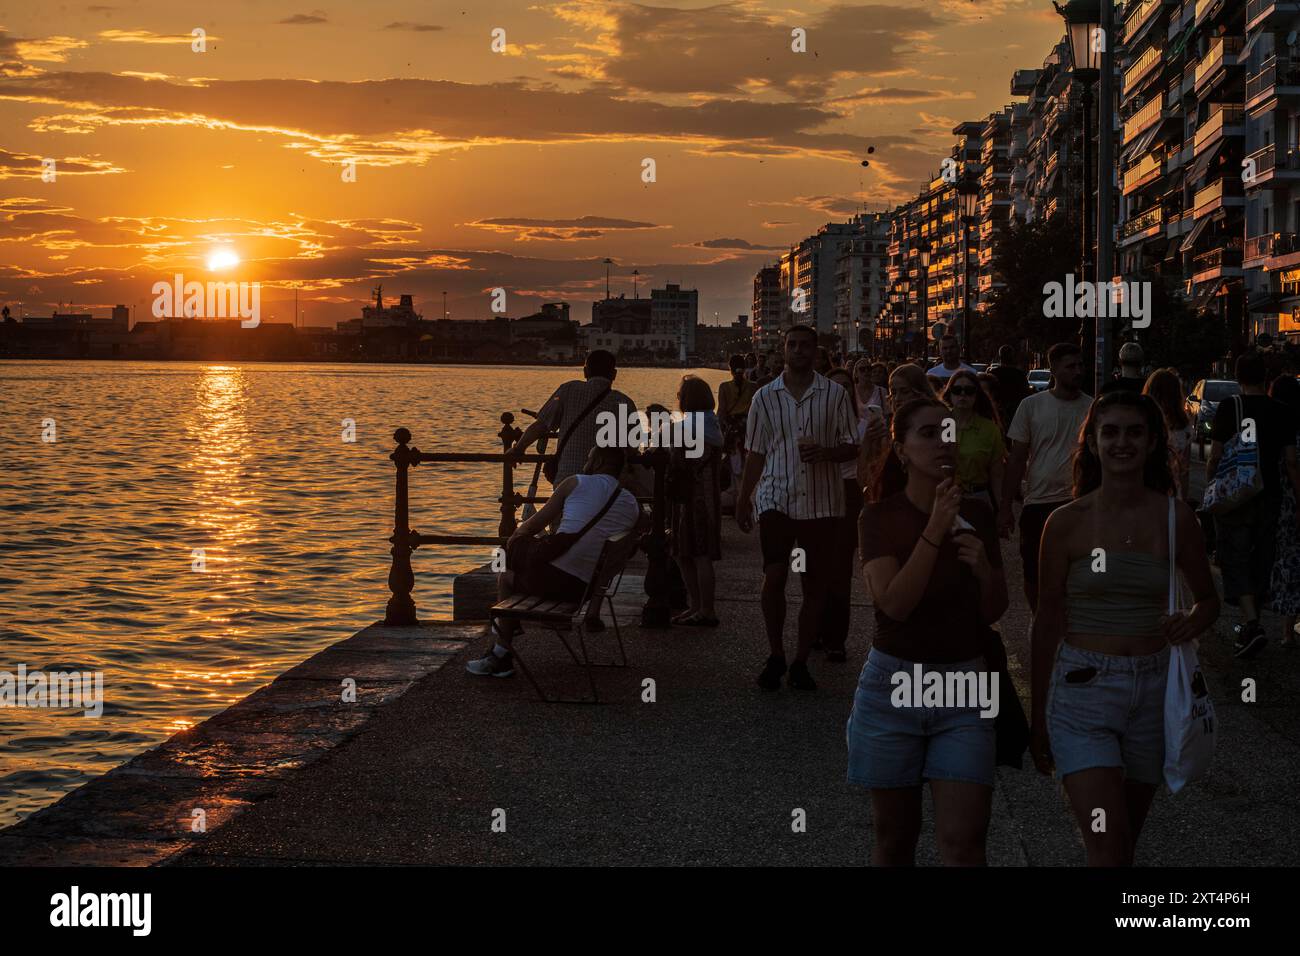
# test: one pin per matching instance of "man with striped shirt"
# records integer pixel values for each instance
(800, 429)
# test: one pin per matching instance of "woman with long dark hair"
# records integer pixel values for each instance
(1102, 631)
(981, 451)
(933, 568)
(1166, 390)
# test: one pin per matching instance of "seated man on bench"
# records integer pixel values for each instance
(594, 495)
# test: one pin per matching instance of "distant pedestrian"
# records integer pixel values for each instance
(1130, 376)
(981, 453)
(1013, 384)
(573, 411)
(870, 385)
(1102, 629)
(950, 360)
(800, 430)
(1247, 535)
(1166, 390)
(822, 364)
(906, 382)
(697, 506)
(1044, 435)
(734, 396)
(836, 618)
(1285, 582)
(932, 565)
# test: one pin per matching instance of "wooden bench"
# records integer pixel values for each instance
(564, 617)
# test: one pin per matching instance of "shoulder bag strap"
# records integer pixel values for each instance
(1173, 557)
(564, 440)
(618, 490)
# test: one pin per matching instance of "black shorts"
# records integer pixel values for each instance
(544, 579)
(779, 534)
(1033, 518)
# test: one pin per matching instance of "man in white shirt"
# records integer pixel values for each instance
(576, 501)
(1044, 435)
(951, 362)
(799, 431)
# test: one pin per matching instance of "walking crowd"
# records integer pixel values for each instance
(909, 476)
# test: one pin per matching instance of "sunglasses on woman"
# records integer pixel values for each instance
(962, 390)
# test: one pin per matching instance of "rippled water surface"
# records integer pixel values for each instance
(247, 463)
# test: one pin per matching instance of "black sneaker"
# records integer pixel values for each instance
(773, 671)
(799, 678)
(1250, 641)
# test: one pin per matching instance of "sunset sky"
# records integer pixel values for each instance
(474, 168)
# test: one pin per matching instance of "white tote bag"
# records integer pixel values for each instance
(1189, 711)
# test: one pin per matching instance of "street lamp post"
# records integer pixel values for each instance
(1083, 21)
(968, 197)
(923, 248)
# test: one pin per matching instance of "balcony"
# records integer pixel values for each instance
(1273, 166)
(1227, 121)
(1221, 55)
(1222, 194)
(1147, 170)
(1277, 77)
(1144, 118)
(1142, 68)
(1224, 261)
(1139, 17)
(1147, 223)
(1258, 12)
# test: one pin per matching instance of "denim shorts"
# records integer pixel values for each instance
(1114, 718)
(892, 747)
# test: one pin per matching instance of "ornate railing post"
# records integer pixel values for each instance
(508, 435)
(401, 579)
(656, 612)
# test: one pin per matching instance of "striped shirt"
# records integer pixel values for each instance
(776, 422)
(568, 402)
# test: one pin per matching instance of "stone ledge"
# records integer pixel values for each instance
(142, 812)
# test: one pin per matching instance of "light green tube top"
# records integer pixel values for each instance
(1128, 598)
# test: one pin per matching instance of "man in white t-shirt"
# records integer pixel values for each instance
(576, 501)
(1044, 435)
(951, 361)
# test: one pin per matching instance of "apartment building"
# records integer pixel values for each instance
(1271, 255)
(768, 309)
(861, 280)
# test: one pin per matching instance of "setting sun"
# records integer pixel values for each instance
(223, 259)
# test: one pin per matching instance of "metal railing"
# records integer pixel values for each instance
(1218, 123)
(1225, 257)
(1223, 46)
(1142, 66)
(1152, 217)
(1143, 118)
(1139, 16)
(1220, 189)
(1276, 71)
(401, 578)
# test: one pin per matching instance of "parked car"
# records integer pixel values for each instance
(1039, 378)
(1204, 402)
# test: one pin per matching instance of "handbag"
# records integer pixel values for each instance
(1190, 726)
(1010, 726)
(552, 465)
(533, 550)
(1238, 477)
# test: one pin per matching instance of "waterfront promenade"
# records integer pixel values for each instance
(711, 772)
